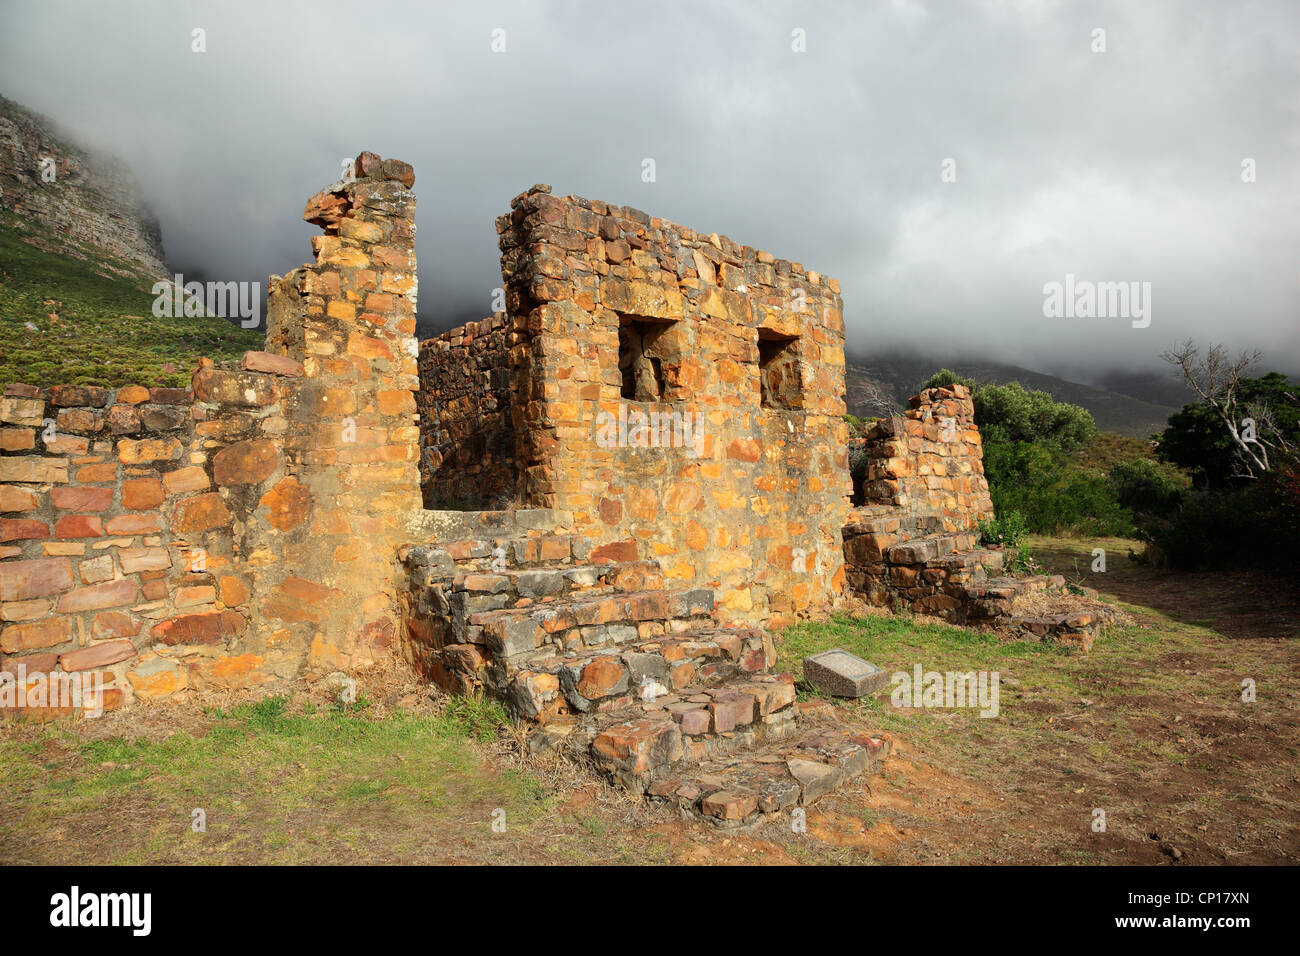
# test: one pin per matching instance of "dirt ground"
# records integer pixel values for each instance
(1150, 730)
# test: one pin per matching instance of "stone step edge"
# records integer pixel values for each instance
(764, 784)
(563, 548)
(678, 664)
(433, 525)
(495, 582)
(509, 632)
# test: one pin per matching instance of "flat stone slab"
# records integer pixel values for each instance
(841, 674)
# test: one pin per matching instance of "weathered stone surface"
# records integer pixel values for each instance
(134, 560)
(240, 389)
(23, 529)
(81, 499)
(140, 494)
(112, 594)
(202, 513)
(114, 624)
(815, 779)
(97, 655)
(204, 627)
(157, 678)
(36, 635)
(33, 469)
(288, 504)
(15, 498)
(17, 439)
(245, 463)
(22, 411)
(71, 395)
(641, 745)
(274, 364)
(189, 478)
(841, 674)
(38, 577)
(146, 450)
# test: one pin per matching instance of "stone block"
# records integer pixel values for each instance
(841, 674)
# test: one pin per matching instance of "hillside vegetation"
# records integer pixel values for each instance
(73, 321)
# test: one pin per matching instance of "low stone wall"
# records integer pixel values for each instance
(465, 401)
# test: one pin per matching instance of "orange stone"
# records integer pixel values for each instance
(288, 503)
(79, 526)
(203, 627)
(202, 513)
(234, 592)
(245, 462)
(28, 637)
(142, 493)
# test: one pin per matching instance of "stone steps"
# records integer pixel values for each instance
(729, 755)
(577, 622)
(640, 682)
(739, 791)
(470, 525)
(600, 679)
(499, 554)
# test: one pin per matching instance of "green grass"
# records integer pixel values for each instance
(107, 333)
(262, 775)
(1044, 673)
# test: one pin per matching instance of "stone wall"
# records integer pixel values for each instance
(929, 461)
(913, 541)
(244, 533)
(466, 404)
(98, 495)
(740, 479)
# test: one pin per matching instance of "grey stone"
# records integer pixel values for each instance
(841, 674)
(537, 584)
(647, 665)
(513, 637)
(815, 779)
(695, 601)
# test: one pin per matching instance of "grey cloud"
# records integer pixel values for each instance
(1116, 166)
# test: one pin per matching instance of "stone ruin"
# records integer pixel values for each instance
(594, 505)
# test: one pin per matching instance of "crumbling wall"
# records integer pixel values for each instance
(929, 461)
(465, 401)
(736, 476)
(242, 534)
(913, 541)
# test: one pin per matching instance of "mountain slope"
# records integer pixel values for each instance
(86, 318)
(898, 378)
(82, 199)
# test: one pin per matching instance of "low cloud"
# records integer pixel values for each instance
(1123, 165)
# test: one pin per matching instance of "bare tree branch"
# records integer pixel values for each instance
(1216, 379)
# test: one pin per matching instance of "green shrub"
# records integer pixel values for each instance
(1052, 491)
(1253, 526)
(1008, 529)
(1141, 487)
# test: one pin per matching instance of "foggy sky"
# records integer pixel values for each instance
(1115, 166)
